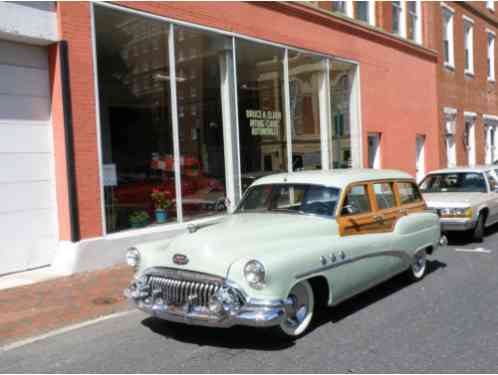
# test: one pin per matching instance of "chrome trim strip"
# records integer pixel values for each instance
(400, 254)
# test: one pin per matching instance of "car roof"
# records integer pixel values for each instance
(475, 168)
(339, 178)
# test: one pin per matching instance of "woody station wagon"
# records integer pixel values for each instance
(296, 240)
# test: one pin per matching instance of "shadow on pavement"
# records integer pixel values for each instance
(465, 238)
(262, 339)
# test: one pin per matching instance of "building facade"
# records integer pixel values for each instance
(179, 106)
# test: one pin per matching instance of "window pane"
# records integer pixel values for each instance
(135, 119)
(305, 73)
(339, 6)
(263, 148)
(361, 10)
(341, 83)
(396, 10)
(356, 201)
(408, 193)
(384, 195)
(200, 120)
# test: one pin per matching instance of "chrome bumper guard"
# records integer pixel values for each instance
(254, 313)
(450, 224)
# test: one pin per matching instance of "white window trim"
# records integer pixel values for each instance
(470, 22)
(371, 12)
(451, 37)
(418, 24)
(450, 115)
(402, 19)
(471, 147)
(349, 8)
(490, 4)
(491, 54)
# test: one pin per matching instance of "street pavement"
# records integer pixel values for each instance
(446, 323)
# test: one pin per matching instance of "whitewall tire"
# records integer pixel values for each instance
(418, 269)
(299, 314)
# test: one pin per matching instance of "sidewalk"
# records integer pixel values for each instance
(35, 309)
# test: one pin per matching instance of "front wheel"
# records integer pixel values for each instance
(478, 231)
(298, 314)
(418, 269)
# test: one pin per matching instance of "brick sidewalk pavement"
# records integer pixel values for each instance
(35, 309)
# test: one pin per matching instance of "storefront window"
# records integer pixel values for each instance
(135, 120)
(341, 80)
(201, 123)
(306, 73)
(263, 147)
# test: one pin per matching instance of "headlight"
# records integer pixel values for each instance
(254, 272)
(132, 257)
(457, 212)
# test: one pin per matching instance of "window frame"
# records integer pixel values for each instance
(417, 24)
(468, 45)
(400, 8)
(491, 55)
(448, 22)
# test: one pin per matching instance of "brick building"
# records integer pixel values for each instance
(109, 101)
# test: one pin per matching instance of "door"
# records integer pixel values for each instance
(470, 141)
(420, 157)
(365, 239)
(493, 198)
(374, 150)
(28, 224)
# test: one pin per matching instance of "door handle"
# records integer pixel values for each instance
(403, 212)
(378, 219)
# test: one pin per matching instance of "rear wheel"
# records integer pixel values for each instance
(418, 268)
(299, 314)
(478, 231)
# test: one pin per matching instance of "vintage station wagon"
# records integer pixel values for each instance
(295, 241)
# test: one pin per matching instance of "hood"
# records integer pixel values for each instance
(212, 249)
(440, 200)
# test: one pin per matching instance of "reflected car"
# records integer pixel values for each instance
(465, 198)
(296, 241)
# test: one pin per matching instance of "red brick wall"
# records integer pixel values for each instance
(398, 81)
(455, 89)
(75, 27)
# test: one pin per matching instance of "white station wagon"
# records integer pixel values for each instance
(295, 241)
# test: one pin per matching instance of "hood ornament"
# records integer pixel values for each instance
(180, 259)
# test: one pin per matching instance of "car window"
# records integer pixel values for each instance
(288, 197)
(384, 195)
(493, 183)
(356, 201)
(408, 193)
(461, 182)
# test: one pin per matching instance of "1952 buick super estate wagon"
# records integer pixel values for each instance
(296, 240)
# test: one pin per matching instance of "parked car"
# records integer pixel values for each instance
(295, 241)
(465, 198)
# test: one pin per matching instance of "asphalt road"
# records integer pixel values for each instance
(447, 322)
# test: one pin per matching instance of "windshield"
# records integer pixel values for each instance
(464, 182)
(291, 198)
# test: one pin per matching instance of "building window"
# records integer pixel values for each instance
(450, 134)
(414, 27)
(344, 7)
(468, 42)
(448, 47)
(398, 24)
(491, 56)
(469, 138)
(490, 4)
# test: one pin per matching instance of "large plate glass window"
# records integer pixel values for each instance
(135, 119)
(262, 137)
(306, 76)
(199, 60)
(341, 83)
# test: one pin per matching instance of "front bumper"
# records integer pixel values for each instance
(254, 313)
(457, 224)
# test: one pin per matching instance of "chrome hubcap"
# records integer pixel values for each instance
(297, 311)
(419, 262)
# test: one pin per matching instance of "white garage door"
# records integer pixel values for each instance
(28, 221)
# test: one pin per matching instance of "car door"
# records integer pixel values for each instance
(365, 238)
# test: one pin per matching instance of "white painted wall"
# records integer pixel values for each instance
(32, 22)
(28, 221)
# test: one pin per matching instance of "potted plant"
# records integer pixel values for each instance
(138, 219)
(162, 201)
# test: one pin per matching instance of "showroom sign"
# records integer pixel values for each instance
(264, 122)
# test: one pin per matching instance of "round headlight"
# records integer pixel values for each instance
(132, 257)
(254, 272)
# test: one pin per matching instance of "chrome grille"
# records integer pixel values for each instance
(179, 292)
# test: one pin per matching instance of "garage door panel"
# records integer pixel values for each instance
(19, 138)
(24, 167)
(29, 247)
(13, 107)
(17, 54)
(18, 80)
(27, 196)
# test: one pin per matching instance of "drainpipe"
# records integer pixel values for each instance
(69, 142)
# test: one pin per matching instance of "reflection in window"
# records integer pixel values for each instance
(408, 193)
(356, 201)
(384, 195)
(135, 120)
(263, 148)
(305, 73)
(341, 75)
(200, 120)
